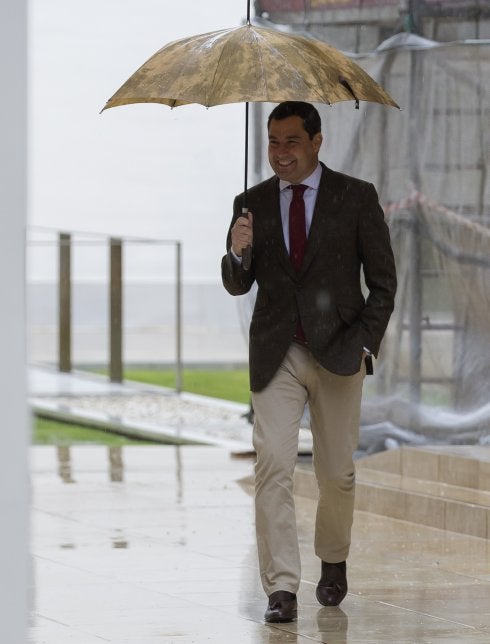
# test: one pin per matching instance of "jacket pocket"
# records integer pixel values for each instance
(348, 314)
(261, 303)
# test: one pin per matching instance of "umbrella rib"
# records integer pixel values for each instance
(261, 62)
(320, 96)
(215, 73)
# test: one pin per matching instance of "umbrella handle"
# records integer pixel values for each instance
(246, 252)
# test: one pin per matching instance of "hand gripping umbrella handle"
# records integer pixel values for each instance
(247, 258)
(246, 252)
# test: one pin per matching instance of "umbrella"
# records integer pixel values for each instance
(248, 64)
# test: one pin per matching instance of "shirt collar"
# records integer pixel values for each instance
(313, 181)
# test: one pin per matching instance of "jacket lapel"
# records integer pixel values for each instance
(327, 205)
(274, 226)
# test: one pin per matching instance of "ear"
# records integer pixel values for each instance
(317, 141)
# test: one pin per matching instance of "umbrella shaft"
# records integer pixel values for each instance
(245, 204)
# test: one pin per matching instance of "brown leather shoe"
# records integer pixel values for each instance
(282, 607)
(332, 587)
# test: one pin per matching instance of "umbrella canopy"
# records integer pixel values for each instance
(248, 64)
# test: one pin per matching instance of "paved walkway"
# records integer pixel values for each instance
(155, 545)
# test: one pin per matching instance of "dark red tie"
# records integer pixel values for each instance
(297, 238)
(297, 226)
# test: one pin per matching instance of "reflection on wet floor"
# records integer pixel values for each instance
(116, 465)
(156, 544)
(64, 464)
(116, 542)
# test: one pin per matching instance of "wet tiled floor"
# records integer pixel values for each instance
(147, 545)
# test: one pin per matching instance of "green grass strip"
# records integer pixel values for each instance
(220, 383)
(53, 432)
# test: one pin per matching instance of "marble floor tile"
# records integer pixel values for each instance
(162, 550)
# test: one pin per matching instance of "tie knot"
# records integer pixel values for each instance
(298, 190)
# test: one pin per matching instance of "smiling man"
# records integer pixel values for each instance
(312, 336)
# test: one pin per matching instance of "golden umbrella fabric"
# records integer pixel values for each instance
(248, 64)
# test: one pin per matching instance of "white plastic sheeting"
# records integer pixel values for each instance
(430, 165)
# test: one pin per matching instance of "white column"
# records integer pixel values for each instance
(14, 418)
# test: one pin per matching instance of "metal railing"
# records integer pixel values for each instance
(116, 245)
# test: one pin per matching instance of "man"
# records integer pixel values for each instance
(311, 337)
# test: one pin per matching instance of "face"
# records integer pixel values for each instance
(292, 154)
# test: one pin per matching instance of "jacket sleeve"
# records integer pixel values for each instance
(378, 263)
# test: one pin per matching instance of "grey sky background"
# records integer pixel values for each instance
(140, 170)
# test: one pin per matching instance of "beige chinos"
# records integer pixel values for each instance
(334, 404)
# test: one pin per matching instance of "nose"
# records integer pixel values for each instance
(278, 150)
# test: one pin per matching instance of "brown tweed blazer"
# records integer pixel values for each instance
(347, 233)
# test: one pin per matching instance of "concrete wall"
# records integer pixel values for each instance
(13, 428)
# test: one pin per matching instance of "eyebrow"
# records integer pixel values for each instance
(292, 137)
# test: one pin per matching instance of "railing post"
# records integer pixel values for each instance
(115, 308)
(64, 303)
(178, 317)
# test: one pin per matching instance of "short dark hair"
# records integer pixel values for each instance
(306, 111)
